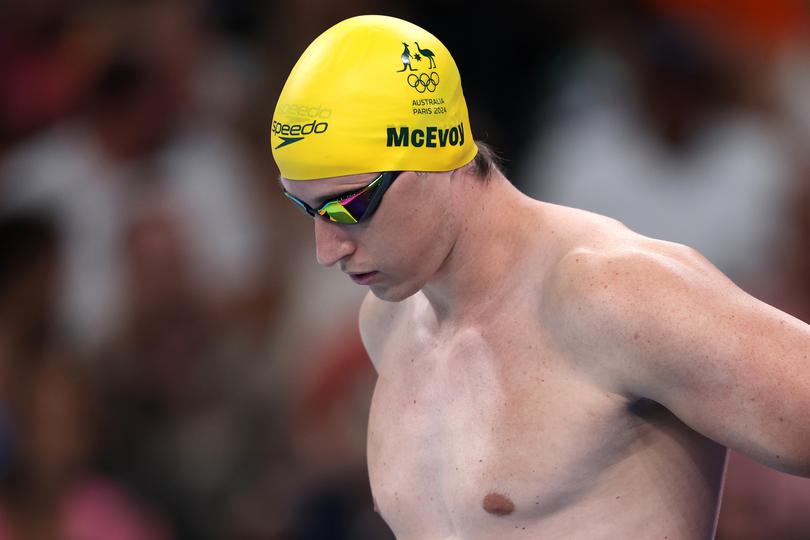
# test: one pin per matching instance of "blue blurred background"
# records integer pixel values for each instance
(174, 364)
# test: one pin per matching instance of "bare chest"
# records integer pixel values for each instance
(479, 431)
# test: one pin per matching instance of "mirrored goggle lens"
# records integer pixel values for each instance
(351, 209)
(338, 213)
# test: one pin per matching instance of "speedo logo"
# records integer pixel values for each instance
(430, 137)
(290, 133)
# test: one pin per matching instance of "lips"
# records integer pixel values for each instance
(363, 278)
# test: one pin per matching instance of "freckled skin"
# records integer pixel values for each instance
(509, 433)
(592, 374)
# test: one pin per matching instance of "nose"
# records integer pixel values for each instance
(332, 243)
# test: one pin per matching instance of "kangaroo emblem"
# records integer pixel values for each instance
(406, 59)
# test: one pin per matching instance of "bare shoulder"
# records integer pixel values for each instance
(611, 287)
(601, 261)
(620, 267)
(376, 318)
(649, 319)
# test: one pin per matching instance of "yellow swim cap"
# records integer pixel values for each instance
(372, 94)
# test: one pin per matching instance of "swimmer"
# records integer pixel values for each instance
(543, 372)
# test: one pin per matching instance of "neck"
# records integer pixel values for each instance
(495, 220)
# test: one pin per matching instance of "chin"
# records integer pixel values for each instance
(394, 294)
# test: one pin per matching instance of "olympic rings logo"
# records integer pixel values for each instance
(424, 81)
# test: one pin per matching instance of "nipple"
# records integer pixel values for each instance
(498, 505)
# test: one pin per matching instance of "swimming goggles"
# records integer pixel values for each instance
(352, 207)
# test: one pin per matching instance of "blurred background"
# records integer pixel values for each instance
(173, 362)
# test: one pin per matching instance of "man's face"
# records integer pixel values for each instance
(401, 246)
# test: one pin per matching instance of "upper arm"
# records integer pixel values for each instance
(672, 328)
